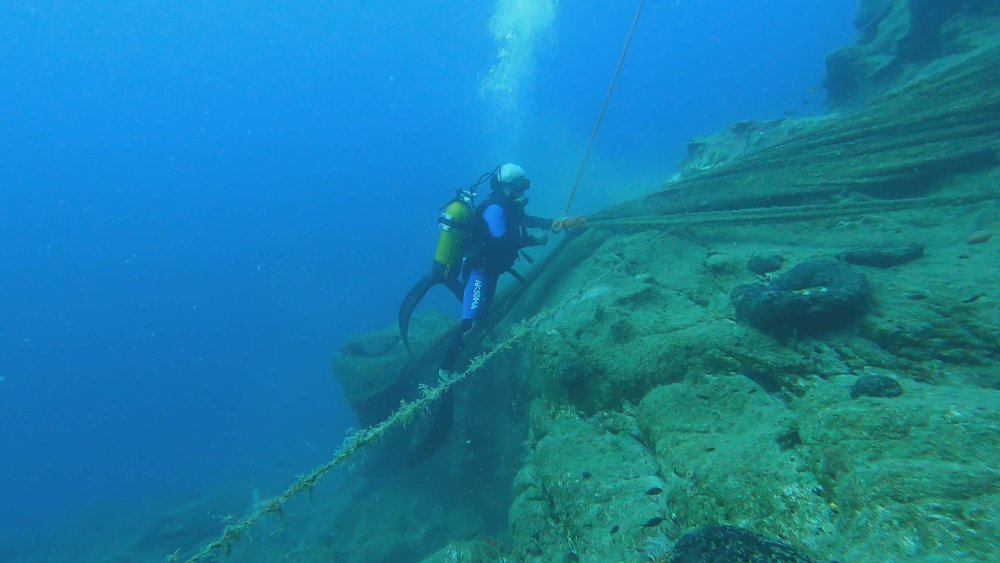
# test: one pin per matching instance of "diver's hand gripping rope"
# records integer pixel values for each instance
(567, 223)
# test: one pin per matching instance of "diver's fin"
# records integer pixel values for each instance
(410, 302)
(456, 288)
(417, 293)
(517, 276)
(431, 432)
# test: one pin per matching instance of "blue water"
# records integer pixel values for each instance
(199, 201)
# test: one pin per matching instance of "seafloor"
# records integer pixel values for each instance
(787, 353)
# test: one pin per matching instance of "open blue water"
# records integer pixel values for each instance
(199, 201)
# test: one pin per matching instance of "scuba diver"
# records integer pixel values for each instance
(455, 222)
(500, 232)
(481, 244)
(461, 227)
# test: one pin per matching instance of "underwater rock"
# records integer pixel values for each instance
(761, 265)
(722, 544)
(876, 386)
(376, 371)
(979, 237)
(737, 140)
(183, 526)
(883, 257)
(720, 265)
(789, 439)
(621, 331)
(371, 345)
(469, 550)
(572, 375)
(919, 466)
(898, 38)
(722, 444)
(812, 297)
(581, 486)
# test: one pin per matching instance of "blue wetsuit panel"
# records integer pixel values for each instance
(495, 220)
(478, 294)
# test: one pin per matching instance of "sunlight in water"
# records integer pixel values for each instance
(516, 26)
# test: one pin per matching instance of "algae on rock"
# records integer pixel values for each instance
(913, 476)
(586, 490)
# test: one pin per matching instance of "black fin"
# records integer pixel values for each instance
(417, 293)
(457, 288)
(517, 276)
(410, 302)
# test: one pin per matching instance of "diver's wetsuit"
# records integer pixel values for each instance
(500, 232)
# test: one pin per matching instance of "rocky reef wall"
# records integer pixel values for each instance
(898, 40)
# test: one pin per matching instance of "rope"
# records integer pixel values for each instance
(783, 214)
(604, 107)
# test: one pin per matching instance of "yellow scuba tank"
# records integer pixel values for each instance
(455, 222)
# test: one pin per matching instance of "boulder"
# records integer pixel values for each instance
(814, 296)
(979, 237)
(876, 386)
(883, 257)
(722, 265)
(740, 139)
(761, 265)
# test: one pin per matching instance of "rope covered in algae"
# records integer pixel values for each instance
(358, 440)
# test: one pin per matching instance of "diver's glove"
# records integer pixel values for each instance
(567, 223)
